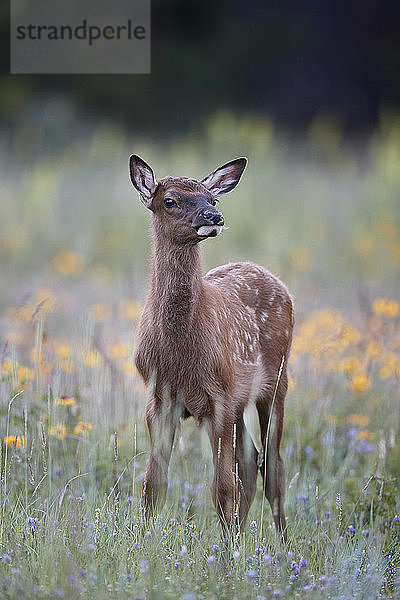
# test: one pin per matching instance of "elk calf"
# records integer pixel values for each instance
(208, 346)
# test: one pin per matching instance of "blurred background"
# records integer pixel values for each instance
(309, 92)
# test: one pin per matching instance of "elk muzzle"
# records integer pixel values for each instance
(209, 223)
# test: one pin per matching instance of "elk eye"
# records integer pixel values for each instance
(169, 203)
(213, 201)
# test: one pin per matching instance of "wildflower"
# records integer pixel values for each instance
(177, 564)
(391, 365)
(7, 367)
(33, 522)
(144, 566)
(65, 401)
(129, 368)
(351, 365)
(118, 350)
(331, 419)
(251, 574)
(18, 441)
(91, 547)
(192, 526)
(68, 263)
(303, 563)
(365, 434)
(83, 428)
(253, 528)
(100, 312)
(360, 383)
(365, 533)
(63, 351)
(386, 307)
(236, 554)
(92, 359)
(294, 568)
(308, 451)
(358, 419)
(59, 431)
(215, 549)
(130, 310)
(6, 558)
(211, 559)
(25, 374)
(351, 530)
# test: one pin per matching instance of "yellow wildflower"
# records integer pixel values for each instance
(83, 428)
(15, 440)
(63, 351)
(291, 384)
(130, 310)
(365, 434)
(358, 419)
(118, 350)
(7, 367)
(350, 335)
(360, 383)
(351, 365)
(65, 401)
(92, 358)
(373, 348)
(331, 419)
(59, 431)
(25, 374)
(299, 258)
(386, 307)
(129, 368)
(68, 263)
(100, 312)
(391, 363)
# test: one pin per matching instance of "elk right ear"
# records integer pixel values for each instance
(225, 178)
(143, 179)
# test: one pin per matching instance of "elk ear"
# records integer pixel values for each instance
(143, 179)
(225, 178)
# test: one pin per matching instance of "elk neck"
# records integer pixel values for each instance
(176, 282)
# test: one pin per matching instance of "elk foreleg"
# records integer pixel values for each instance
(161, 422)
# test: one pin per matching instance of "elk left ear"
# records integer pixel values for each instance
(225, 178)
(142, 178)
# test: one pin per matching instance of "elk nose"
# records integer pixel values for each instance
(213, 217)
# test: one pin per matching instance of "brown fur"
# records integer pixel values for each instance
(206, 347)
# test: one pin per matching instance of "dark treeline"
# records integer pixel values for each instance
(288, 60)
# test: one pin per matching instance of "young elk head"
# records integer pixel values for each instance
(185, 208)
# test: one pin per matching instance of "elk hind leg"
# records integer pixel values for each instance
(270, 462)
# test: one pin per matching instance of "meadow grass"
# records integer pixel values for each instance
(75, 258)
